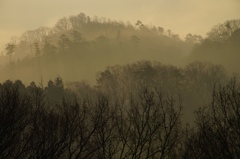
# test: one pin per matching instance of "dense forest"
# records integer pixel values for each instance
(143, 122)
(98, 88)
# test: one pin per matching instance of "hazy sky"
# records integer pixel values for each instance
(181, 16)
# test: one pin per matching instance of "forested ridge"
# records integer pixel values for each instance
(99, 88)
(87, 45)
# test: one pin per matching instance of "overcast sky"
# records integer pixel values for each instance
(181, 16)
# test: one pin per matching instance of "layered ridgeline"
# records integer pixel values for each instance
(144, 84)
(78, 47)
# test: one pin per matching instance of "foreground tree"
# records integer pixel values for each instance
(150, 128)
(217, 133)
(14, 120)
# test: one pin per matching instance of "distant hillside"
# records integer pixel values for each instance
(96, 29)
(78, 47)
(221, 46)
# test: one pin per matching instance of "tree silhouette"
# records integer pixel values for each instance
(216, 134)
(10, 48)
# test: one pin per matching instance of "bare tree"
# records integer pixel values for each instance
(217, 132)
(14, 121)
(150, 127)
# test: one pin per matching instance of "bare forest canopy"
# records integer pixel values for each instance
(78, 47)
(140, 120)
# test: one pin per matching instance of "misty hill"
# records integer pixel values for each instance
(78, 47)
(97, 30)
(221, 46)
